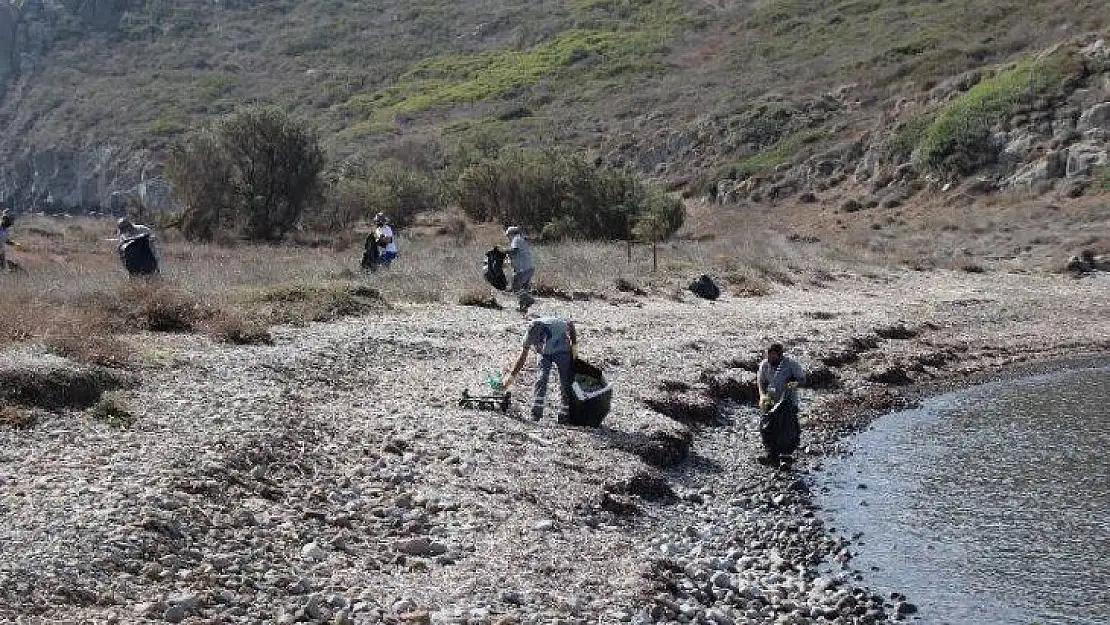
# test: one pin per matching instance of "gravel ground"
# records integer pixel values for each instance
(332, 478)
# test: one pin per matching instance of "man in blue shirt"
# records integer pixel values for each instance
(554, 339)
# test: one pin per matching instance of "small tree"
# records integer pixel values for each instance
(251, 175)
(563, 196)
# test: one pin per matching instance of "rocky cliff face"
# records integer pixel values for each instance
(61, 178)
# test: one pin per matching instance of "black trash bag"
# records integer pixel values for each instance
(780, 430)
(591, 396)
(138, 256)
(705, 288)
(371, 256)
(494, 271)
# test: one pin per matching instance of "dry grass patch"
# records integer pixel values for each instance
(228, 326)
(56, 386)
(106, 350)
(15, 417)
(742, 284)
(480, 298)
(300, 303)
(112, 411)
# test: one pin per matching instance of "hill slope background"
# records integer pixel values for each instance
(811, 100)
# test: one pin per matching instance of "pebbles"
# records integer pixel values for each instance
(330, 477)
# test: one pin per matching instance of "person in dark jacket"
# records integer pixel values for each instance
(135, 244)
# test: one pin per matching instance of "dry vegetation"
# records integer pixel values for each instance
(71, 295)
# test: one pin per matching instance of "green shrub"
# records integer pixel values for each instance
(958, 140)
(387, 187)
(1102, 176)
(250, 175)
(900, 147)
(563, 196)
(113, 412)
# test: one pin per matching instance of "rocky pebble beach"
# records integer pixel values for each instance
(333, 478)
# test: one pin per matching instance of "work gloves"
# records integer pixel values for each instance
(766, 402)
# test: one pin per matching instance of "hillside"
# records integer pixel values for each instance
(795, 97)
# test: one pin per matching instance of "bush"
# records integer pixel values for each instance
(113, 412)
(386, 187)
(236, 329)
(251, 174)
(958, 139)
(159, 307)
(480, 298)
(300, 303)
(563, 196)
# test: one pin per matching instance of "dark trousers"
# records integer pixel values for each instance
(565, 366)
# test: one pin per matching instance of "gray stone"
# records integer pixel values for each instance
(312, 551)
(175, 614)
(150, 609)
(1019, 148)
(420, 546)
(719, 617)
(1083, 157)
(312, 607)
(1095, 118)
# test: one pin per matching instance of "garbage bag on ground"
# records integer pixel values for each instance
(138, 256)
(779, 428)
(704, 287)
(494, 271)
(591, 395)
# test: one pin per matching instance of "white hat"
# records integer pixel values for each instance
(512, 231)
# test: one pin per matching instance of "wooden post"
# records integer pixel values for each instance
(654, 257)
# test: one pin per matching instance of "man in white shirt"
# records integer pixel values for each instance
(387, 244)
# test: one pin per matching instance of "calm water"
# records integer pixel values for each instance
(990, 505)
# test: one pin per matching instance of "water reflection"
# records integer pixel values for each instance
(991, 505)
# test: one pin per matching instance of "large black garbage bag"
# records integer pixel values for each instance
(591, 395)
(138, 256)
(371, 257)
(780, 430)
(494, 271)
(704, 287)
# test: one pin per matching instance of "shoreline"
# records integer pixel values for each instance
(333, 478)
(785, 499)
(989, 382)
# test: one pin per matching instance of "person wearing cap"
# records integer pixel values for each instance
(554, 339)
(520, 255)
(127, 232)
(383, 238)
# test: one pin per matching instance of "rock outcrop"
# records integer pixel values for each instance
(62, 178)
